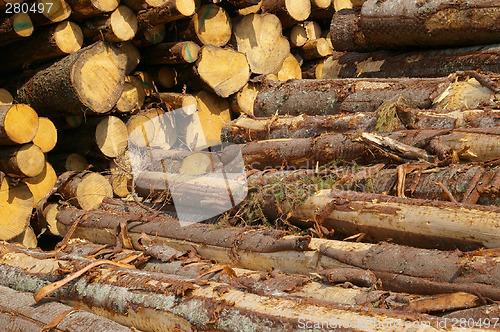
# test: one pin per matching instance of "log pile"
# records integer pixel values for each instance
(370, 130)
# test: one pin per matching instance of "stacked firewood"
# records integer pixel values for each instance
(358, 122)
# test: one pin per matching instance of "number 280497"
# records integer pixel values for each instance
(17, 8)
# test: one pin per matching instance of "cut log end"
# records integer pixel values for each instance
(105, 5)
(95, 89)
(92, 190)
(55, 10)
(5, 97)
(111, 136)
(68, 37)
(186, 7)
(131, 99)
(16, 204)
(46, 136)
(133, 56)
(20, 124)
(22, 161)
(212, 25)
(41, 184)
(224, 77)
(124, 23)
(76, 162)
(22, 25)
(298, 9)
(26, 238)
(196, 164)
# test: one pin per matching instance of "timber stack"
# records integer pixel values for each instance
(366, 133)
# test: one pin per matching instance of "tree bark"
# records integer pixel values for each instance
(451, 119)
(75, 84)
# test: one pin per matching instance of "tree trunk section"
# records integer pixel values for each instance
(396, 23)
(53, 11)
(75, 83)
(85, 9)
(428, 63)
(86, 190)
(18, 124)
(289, 12)
(329, 97)
(119, 26)
(46, 135)
(14, 28)
(244, 129)
(16, 202)
(171, 11)
(259, 38)
(173, 53)
(223, 76)
(25, 160)
(411, 222)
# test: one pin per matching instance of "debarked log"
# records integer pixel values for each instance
(132, 298)
(415, 222)
(19, 312)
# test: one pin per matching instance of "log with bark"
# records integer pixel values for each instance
(328, 97)
(165, 259)
(408, 221)
(422, 63)
(245, 129)
(99, 136)
(76, 84)
(51, 42)
(258, 251)
(177, 298)
(53, 11)
(82, 10)
(20, 312)
(46, 135)
(210, 25)
(85, 190)
(396, 23)
(170, 11)
(289, 12)
(172, 53)
(25, 160)
(15, 27)
(119, 26)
